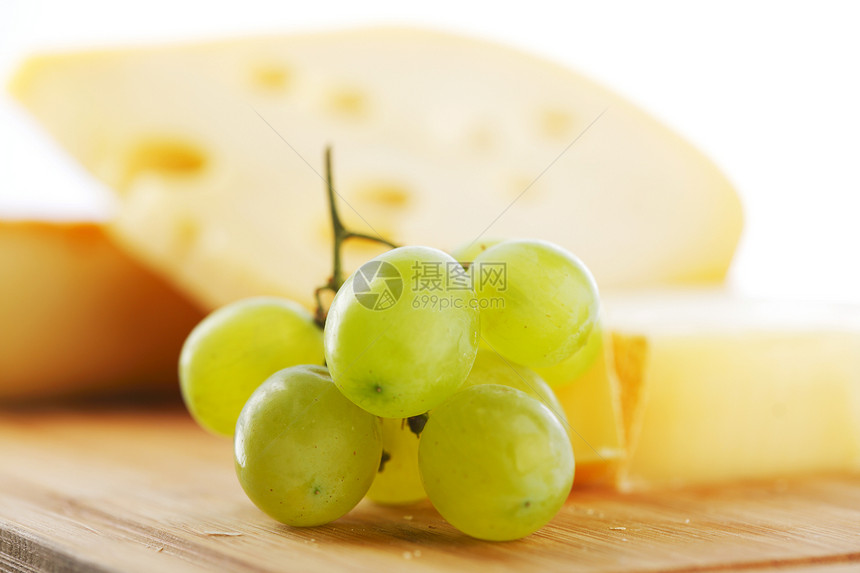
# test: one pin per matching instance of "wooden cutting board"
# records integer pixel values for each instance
(125, 489)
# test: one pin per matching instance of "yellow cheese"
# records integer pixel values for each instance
(593, 408)
(79, 315)
(713, 387)
(216, 151)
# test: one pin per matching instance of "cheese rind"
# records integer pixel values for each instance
(216, 152)
(78, 315)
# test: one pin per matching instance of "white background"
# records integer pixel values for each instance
(770, 90)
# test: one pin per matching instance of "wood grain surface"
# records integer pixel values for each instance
(125, 489)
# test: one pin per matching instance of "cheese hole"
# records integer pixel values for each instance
(164, 157)
(482, 138)
(556, 124)
(385, 195)
(271, 78)
(523, 187)
(348, 102)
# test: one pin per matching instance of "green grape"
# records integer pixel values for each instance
(490, 368)
(467, 252)
(495, 462)
(402, 332)
(571, 369)
(538, 302)
(234, 349)
(398, 481)
(304, 454)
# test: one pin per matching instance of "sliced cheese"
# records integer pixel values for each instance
(216, 151)
(715, 387)
(79, 315)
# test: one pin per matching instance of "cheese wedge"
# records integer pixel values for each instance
(216, 151)
(78, 315)
(713, 387)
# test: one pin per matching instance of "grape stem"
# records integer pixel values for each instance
(417, 423)
(340, 234)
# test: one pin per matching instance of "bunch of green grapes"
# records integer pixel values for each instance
(421, 383)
